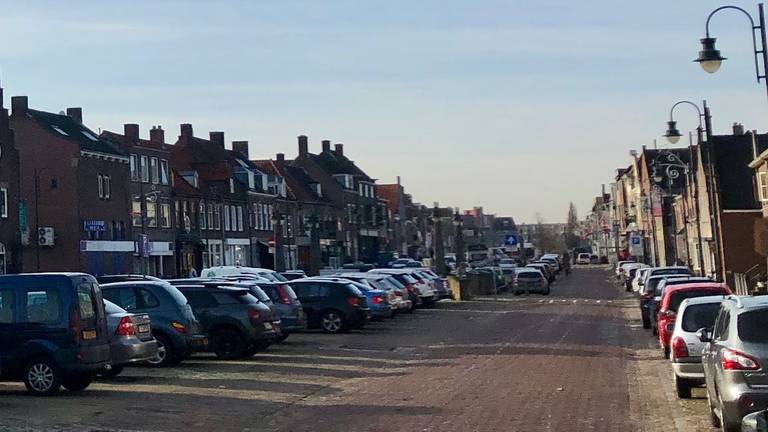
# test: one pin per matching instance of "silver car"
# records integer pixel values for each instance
(130, 338)
(529, 279)
(734, 357)
(685, 354)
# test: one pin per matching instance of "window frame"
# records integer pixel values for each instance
(134, 162)
(3, 202)
(154, 170)
(762, 185)
(144, 168)
(164, 172)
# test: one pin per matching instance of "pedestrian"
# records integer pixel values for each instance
(192, 273)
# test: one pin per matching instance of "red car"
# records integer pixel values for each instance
(670, 302)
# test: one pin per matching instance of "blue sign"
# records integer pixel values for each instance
(145, 246)
(94, 225)
(635, 240)
(511, 240)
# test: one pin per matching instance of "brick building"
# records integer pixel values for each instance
(10, 245)
(79, 186)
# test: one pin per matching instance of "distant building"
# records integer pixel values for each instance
(10, 244)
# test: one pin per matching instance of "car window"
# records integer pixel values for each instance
(43, 305)
(288, 290)
(86, 301)
(529, 275)
(112, 309)
(700, 316)
(177, 296)
(271, 291)
(224, 298)
(355, 290)
(7, 298)
(260, 294)
(200, 299)
(721, 326)
(280, 278)
(677, 297)
(752, 326)
(147, 299)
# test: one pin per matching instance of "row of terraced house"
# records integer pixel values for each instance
(72, 199)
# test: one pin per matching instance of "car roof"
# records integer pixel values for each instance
(670, 267)
(751, 302)
(362, 275)
(694, 286)
(703, 300)
(143, 282)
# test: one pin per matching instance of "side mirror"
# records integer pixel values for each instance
(704, 335)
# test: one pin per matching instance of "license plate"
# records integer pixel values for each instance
(268, 326)
(89, 334)
(144, 328)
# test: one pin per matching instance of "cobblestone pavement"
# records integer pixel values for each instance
(577, 360)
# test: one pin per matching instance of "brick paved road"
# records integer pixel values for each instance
(576, 360)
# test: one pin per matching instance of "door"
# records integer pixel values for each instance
(710, 355)
(8, 341)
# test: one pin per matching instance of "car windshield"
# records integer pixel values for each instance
(112, 309)
(752, 326)
(678, 297)
(260, 294)
(670, 271)
(355, 289)
(507, 261)
(698, 316)
(529, 275)
(652, 284)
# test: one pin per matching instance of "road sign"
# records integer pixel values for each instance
(635, 245)
(510, 240)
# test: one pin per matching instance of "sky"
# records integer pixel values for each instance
(516, 106)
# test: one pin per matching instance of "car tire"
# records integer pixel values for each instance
(112, 372)
(332, 322)
(77, 382)
(683, 388)
(166, 353)
(42, 377)
(228, 344)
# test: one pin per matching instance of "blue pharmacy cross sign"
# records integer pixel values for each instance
(511, 240)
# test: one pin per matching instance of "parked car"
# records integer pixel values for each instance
(594, 259)
(53, 331)
(668, 281)
(237, 323)
(552, 261)
(734, 357)
(620, 267)
(105, 279)
(130, 338)
(287, 306)
(638, 280)
(403, 262)
(220, 271)
(174, 326)
(254, 288)
(377, 300)
(439, 284)
(583, 259)
(755, 422)
(294, 274)
(397, 292)
(630, 271)
(530, 279)
(423, 293)
(695, 313)
(545, 270)
(671, 300)
(332, 306)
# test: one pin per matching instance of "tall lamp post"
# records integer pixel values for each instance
(279, 252)
(437, 238)
(673, 136)
(458, 225)
(710, 58)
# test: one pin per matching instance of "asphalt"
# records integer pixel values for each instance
(574, 360)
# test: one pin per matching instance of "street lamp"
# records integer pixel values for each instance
(673, 134)
(458, 225)
(437, 236)
(279, 263)
(710, 58)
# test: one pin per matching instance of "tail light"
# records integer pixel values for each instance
(254, 316)
(734, 360)
(75, 325)
(126, 327)
(378, 300)
(679, 348)
(353, 301)
(179, 327)
(284, 298)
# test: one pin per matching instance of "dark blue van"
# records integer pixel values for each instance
(53, 331)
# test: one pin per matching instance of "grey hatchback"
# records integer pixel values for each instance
(130, 338)
(734, 358)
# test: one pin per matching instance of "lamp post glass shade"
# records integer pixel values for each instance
(673, 134)
(709, 56)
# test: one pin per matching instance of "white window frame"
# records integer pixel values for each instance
(144, 168)
(4, 202)
(762, 185)
(134, 167)
(107, 186)
(164, 171)
(239, 218)
(154, 170)
(165, 215)
(226, 218)
(100, 180)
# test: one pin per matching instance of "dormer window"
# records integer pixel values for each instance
(89, 135)
(56, 128)
(318, 189)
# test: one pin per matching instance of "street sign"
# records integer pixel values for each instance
(510, 240)
(94, 225)
(635, 245)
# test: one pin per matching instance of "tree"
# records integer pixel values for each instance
(572, 239)
(547, 238)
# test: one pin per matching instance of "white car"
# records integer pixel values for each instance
(685, 346)
(620, 267)
(222, 271)
(424, 290)
(583, 259)
(639, 279)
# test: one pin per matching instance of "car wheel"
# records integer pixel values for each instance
(547, 291)
(77, 382)
(683, 388)
(166, 354)
(42, 377)
(332, 322)
(713, 418)
(112, 372)
(283, 337)
(228, 344)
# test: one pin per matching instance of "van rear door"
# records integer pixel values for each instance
(88, 320)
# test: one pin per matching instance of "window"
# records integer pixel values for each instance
(164, 171)
(752, 325)
(762, 185)
(199, 299)
(42, 306)
(231, 185)
(144, 169)
(151, 214)
(136, 213)
(7, 299)
(226, 218)
(86, 301)
(202, 216)
(179, 220)
(147, 300)
(134, 168)
(239, 218)
(210, 216)
(100, 179)
(233, 218)
(154, 171)
(165, 215)
(217, 216)
(721, 325)
(3, 203)
(107, 187)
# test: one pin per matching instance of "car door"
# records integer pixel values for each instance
(41, 316)
(203, 305)
(307, 292)
(712, 360)
(8, 341)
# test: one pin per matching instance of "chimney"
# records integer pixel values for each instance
(738, 129)
(240, 147)
(326, 146)
(76, 114)
(157, 134)
(280, 157)
(130, 130)
(217, 138)
(19, 105)
(186, 130)
(303, 145)
(339, 149)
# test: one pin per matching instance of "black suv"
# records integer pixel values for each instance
(173, 323)
(332, 306)
(53, 331)
(237, 323)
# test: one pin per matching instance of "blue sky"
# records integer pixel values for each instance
(518, 106)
